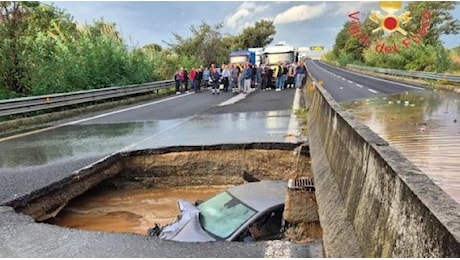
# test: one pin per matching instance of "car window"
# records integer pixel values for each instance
(223, 214)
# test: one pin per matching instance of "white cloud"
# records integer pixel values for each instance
(244, 14)
(247, 5)
(345, 8)
(235, 19)
(300, 13)
(261, 8)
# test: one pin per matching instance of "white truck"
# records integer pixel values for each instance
(281, 52)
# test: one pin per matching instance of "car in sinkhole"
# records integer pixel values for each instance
(249, 212)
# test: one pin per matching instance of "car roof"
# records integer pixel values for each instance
(261, 195)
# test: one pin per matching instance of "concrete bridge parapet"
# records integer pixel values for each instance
(372, 201)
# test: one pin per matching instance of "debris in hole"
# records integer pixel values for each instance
(249, 177)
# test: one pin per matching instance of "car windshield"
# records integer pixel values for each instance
(223, 214)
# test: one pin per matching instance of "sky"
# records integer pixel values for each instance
(299, 23)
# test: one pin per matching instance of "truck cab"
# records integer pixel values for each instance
(280, 53)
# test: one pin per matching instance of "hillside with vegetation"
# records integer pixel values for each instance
(44, 51)
(420, 50)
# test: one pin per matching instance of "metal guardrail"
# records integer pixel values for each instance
(415, 74)
(32, 104)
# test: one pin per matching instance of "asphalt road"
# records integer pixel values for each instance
(31, 161)
(345, 86)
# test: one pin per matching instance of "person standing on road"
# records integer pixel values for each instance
(226, 74)
(240, 77)
(185, 80)
(285, 71)
(214, 79)
(290, 77)
(258, 75)
(192, 78)
(254, 72)
(177, 82)
(206, 78)
(198, 78)
(234, 78)
(270, 78)
(247, 78)
(264, 76)
(300, 73)
(279, 76)
(182, 79)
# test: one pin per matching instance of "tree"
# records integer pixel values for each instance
(352, 40)
(13, 29)
(153, 46)
(206, 43)
(442, 21)
(259, 35)
(209, 45)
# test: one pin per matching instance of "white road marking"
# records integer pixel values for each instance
(351, 82)
(370, 77)
(373, 91)
(359, 86)
(293, 121)
(124, 110)
(235, 99)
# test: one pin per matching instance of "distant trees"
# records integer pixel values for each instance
(43, 51)
(259, 35)
(424, 53)
(209, 45)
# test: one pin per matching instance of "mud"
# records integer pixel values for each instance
(129, 211)
(147, 190)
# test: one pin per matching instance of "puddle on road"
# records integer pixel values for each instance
(76, 141)
(129, 211)
(424, 126)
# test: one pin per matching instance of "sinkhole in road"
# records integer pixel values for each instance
(132, 191)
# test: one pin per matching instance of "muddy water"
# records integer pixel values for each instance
(131, 211)
(424, 127)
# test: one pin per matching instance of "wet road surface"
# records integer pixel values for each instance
(30, 162)
(345, 85)
(424, 126)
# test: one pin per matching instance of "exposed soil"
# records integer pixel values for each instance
(210, 167)
(178, 173)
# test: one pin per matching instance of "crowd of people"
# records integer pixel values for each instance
(240, 78)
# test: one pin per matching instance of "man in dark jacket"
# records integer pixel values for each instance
(247, 75)
(264, 76)
(185, 80)
(177, 82)
(270, 77)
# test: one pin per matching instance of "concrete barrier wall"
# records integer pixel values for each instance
(372, 201)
